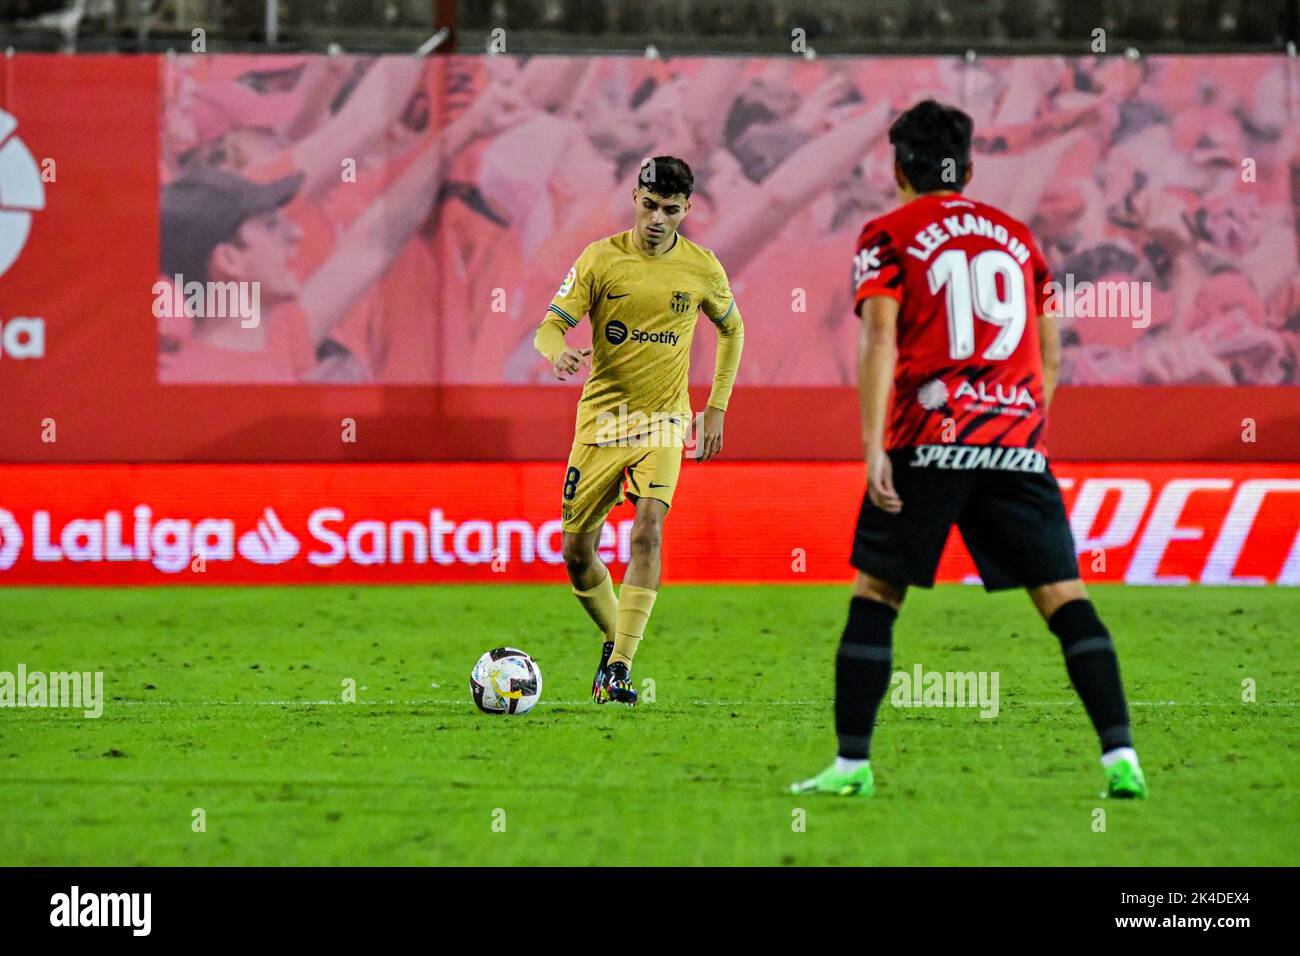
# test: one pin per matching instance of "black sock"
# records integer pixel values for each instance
(862, 674)
(1094, 670)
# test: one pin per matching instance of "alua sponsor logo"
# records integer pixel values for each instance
(1011, 395)
(934, 394)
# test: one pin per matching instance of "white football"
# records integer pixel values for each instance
(505, 681)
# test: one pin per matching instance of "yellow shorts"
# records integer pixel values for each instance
(593, 483)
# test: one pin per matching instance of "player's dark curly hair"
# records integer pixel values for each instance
(932, 145)
(666, 176)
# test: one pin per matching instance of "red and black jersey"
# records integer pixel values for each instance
(971, 284)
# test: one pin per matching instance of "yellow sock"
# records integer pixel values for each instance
(602, 605)
(634, 607)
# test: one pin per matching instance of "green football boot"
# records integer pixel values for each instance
(860, 783)
(1124, 781)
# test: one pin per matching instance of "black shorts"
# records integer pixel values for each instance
(1010, 515)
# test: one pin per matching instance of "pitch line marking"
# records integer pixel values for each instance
(458, 702)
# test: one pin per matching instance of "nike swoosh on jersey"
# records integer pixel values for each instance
(613, 296)
(653, 485)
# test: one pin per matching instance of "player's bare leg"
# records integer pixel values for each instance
(647, 537)
(593, 586)
(874, 589)
(1093, 667)
(636, 597)
(581, 560)
(862, 668)
(1049, 598)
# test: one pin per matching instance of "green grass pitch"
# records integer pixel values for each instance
(230, 701)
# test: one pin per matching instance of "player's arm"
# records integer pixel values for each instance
(719, 305)
(574, 299)
(731, 342)
(1049, 334)
(877, 355)
(1049, 346)
(549, 340)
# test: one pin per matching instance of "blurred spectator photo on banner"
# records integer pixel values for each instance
(407, 222)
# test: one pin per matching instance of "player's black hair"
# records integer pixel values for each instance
(666, 176)
(932, 145)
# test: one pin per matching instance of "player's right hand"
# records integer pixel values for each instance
(880, 482)
(569, 361)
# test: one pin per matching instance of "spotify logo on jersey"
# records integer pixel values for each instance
(615, 332)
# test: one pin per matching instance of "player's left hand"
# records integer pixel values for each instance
(709, 433)
(880, 482)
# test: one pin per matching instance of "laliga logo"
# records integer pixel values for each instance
(21, 192)
(167, 543)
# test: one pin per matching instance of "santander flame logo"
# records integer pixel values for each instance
(269, 543)
(21, 192)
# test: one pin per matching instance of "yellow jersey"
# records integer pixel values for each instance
(643, 313)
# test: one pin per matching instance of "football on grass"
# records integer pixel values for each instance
(505, 681)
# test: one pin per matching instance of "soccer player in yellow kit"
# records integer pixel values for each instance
(642, 289)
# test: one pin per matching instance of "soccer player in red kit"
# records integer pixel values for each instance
(951, 293)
